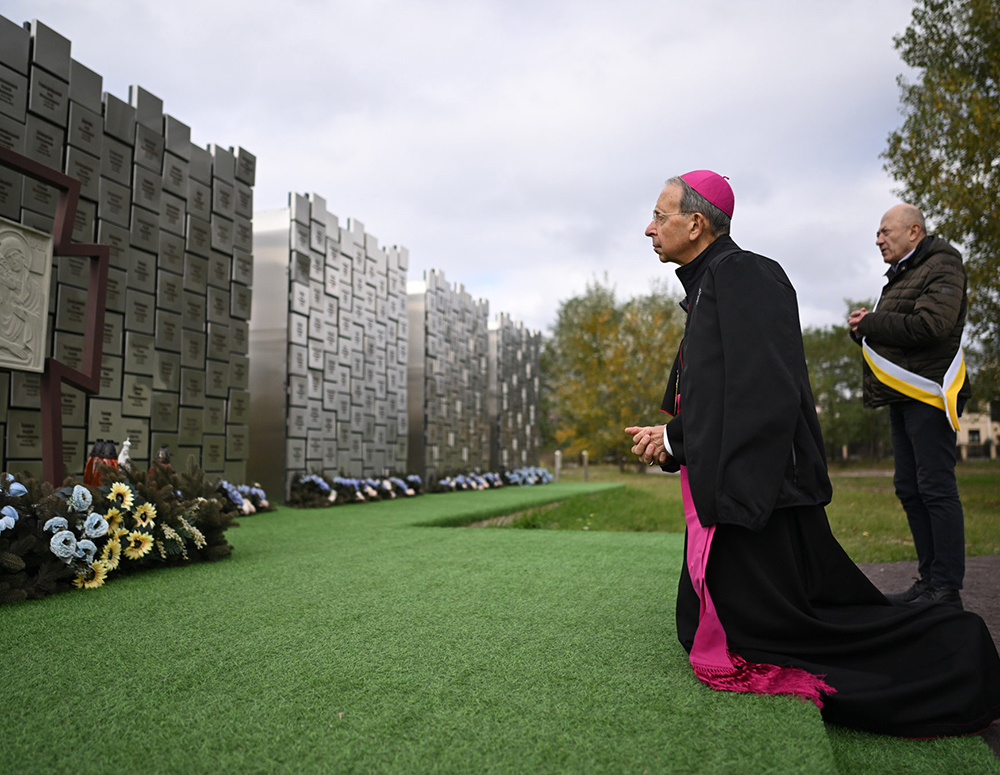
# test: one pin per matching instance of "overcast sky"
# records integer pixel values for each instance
(519, 145)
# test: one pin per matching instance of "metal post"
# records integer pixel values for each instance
(558, 463)
(585, 470)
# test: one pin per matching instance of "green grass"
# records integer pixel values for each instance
(865, 515)
(350, 640)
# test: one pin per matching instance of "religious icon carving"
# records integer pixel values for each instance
(25, 272)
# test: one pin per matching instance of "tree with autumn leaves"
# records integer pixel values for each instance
(946, 155)
(605, 368)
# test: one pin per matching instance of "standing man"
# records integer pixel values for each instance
(913, 363)
(768, 601)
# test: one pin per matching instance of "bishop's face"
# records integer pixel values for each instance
(669, 228)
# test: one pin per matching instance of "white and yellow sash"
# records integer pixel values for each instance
(943, 396)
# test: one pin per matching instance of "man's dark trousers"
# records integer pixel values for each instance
(924, 447)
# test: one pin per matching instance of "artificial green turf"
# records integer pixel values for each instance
(349, 640)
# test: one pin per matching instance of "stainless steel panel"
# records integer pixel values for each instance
(111, 377)
(246, 166)
(223, 163)
(85, 87)
(169, 291)
(216, 378)
(48, 96)
(85, 168)
(164, 412)
(200, 167)
(192, 387)
(220, 268)
(15, 43)
(192, 349)
(168, 331)
(137, 395)
(199, 197)
(218, 306)
(223, 198)
(71, 309)
(215, 415)
(13, 94)
(24, 433)
(139, 311)
(148, 108)
(171, 252)
(49, 49)
(116, 160)
(190, 420)
(238, 407)
(141, 270)
(147, 188)
(222, 234)
(177, 137)
(167, 371)
(114, 207)
(199, 234)
(139, 350)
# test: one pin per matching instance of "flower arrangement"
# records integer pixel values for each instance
(80, 535)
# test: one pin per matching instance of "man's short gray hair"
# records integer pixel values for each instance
(693, 202)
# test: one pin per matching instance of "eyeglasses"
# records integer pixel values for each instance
(660, 218)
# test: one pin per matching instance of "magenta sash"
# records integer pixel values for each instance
(714, 664)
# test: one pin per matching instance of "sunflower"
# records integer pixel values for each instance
(145, 514)
(121, 495)
(92, 577)
(114, 518)
(111, 554)
(138, 545)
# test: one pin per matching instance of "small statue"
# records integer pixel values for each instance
(162, 457)
(124, 459)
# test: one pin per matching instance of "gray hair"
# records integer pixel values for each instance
(693, 202)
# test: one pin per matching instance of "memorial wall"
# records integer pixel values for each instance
(328, 346)
(178, 220)
(515, 385)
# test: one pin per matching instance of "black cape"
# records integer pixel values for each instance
(784, 589)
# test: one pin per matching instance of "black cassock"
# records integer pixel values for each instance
(785, 591)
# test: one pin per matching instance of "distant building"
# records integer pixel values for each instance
(979, 435)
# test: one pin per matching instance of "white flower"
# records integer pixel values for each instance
(81, 498)
(56, 524)
(86, 550)
(95, 526)
(63, 545)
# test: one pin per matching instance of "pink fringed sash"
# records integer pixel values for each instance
(711, 659)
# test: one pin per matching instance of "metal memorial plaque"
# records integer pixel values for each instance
(172, 252)
(216, 379)
(10, 193)
(169, 290)
(189, 426)
(167, 371)
(164, 413)
(239, 337)
(147, 189)
(111, 377)
(222, 234)
(177, 137)
(85, 168)
(198, 235)
(140, 308)
(25, 284)
(85, 221)
(114, 206)
(48, 96)
(139, 350)
(192, 387)
(193, 311)
(13, 94)
(173, 213)
(242, 267)
(137, 394)
(175, 176)
(246, 166)
(25, 390)
(214, 417)
(116, 161)
(148, 149)
(74, 448)
(239, 372)
(168, 330)
(24, 433)
(192, 349)
(141, 273)
(71, 309)
(219, 270)
(200, 168)
(219, 342)
(85, 87)
(145, 229)
(85, 132)
(238, 407)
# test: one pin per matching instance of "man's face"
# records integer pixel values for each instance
(895, 237)
(669, 227)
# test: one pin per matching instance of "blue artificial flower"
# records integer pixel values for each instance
(86, 550)
(63, 545)
(81, 498)
(95, 526)
(11, 512)
(14, 487)
(55, 524)
(7, 522)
